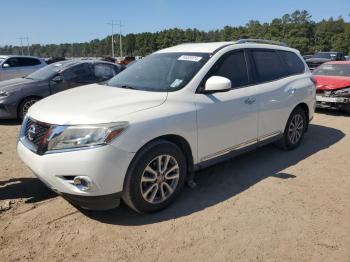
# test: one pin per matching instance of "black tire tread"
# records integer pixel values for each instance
(138, 159)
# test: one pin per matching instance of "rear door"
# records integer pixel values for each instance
(278, 83)
(29, 65)
(103, 72)
(227, 120)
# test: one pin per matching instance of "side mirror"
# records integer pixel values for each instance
(57, 79)
(217, 84)
(6, 65)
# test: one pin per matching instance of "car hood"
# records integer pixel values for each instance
(94, 104)
(15, 84)
(331, 82)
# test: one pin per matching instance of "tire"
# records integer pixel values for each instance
(297, 124)
(147, 188)
(25, 105)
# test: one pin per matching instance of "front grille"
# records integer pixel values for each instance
(35, 132)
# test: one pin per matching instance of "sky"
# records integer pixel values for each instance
(68, 21)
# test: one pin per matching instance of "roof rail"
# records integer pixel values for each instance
(260, 41)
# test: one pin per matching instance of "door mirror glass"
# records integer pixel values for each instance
(57, 79)
(6, 65)
(217, 84)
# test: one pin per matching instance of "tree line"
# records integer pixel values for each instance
(298, 30)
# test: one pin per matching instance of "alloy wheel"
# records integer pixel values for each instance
(296, 129)
(160, 179)
(27, 105)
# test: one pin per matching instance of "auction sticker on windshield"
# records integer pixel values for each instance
(190, 58)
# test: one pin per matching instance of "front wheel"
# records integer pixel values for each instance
(25, 105)
(155, 177)
(294, 131)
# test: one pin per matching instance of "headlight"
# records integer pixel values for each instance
(4, 94)
(71, 137)
(345, 91)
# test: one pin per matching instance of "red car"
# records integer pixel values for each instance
(333, 85)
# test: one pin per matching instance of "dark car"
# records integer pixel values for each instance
(17, 95)
(323, 57)
(307, 56)
(52, 60)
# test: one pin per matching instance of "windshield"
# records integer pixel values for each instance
(324, 55)
(2, 60)
(46, 73)
(161, 72)
(333, 70)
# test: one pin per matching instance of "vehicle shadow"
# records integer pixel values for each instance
(30, 189)
(331, 112)
(224, 181)
(11, 122)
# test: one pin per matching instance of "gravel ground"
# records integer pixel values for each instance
(268, 205)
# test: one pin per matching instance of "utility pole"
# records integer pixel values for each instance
(120, 38)
(112, 24)
(21, 38)
(27, 39)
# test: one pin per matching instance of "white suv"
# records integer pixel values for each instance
(140, 136)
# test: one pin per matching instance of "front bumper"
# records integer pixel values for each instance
(8, 111)
(105, 166)
(333, 102)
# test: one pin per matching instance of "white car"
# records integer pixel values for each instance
(19, 66)
(140, 136)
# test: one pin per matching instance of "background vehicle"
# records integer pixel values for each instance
(307, 56)
(333, 85)
(17, 95)
(322, 57)
(126, 60)
(52, 60)
(19, 66)
(175, 111)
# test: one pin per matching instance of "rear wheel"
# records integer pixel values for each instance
(295, 129)
(155, 177)
(25, 105)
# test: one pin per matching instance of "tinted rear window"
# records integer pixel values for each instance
(294, 63)
(24, 61)
(269, 65)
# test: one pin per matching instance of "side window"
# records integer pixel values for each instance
(269, 65)
(104, 71)
(78, 73)
(294, 63)
(233, 66)
(25, 61)
(13, 62)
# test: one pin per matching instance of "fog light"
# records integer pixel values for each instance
(82, 183)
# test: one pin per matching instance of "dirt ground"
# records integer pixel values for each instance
(268, 205)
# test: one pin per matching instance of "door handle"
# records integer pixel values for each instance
(250, 100)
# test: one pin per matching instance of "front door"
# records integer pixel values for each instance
(227, 120)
